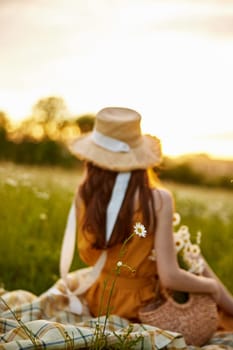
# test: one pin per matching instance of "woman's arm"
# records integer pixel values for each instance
(225, 297)
(170, 274)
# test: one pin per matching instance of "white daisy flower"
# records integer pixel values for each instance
(200, 266)
(177, 234)
(140, 230)
(179, 244)
(193, 267)
(119, 263)
(187, 249)
(184, 234)
(176, 219)
(184, 230)
(195, 250)
(197, 267)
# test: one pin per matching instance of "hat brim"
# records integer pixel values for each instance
(145, 155)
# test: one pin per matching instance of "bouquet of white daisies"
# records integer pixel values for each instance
(188, 253)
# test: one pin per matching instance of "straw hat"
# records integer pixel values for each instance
(116, 142)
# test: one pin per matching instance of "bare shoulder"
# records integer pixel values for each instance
(163, 194)
(163, 198)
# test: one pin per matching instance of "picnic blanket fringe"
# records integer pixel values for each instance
(44, 323)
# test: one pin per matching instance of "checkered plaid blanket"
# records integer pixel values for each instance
(44, 322)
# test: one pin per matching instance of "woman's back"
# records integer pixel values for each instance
(136, 284)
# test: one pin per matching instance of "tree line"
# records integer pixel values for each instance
(41, 139)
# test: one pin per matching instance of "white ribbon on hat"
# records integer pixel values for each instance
(109, 143)
(114, 205)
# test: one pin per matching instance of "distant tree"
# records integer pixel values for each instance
(4, 127)
(85, 122)
(42, 137)
(51, 108)
(4, 120)
(50, 113)
(183, 173)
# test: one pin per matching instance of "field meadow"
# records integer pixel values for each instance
(34, 205)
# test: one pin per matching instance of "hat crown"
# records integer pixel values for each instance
(116, 143)
(120, 123)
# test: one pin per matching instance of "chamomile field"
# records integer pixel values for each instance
(34, 205)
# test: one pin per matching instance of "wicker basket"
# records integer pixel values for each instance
(196, 319)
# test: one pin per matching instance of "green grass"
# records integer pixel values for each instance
(34, 207)
(33, 211)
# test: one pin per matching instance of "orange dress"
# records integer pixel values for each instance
(132, 289)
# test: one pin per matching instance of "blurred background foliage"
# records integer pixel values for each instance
(41, 139)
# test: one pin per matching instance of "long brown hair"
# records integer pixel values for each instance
(96, 192)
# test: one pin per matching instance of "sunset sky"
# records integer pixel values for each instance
(172, 60)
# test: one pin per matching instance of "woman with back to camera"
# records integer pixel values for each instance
(117, 191)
